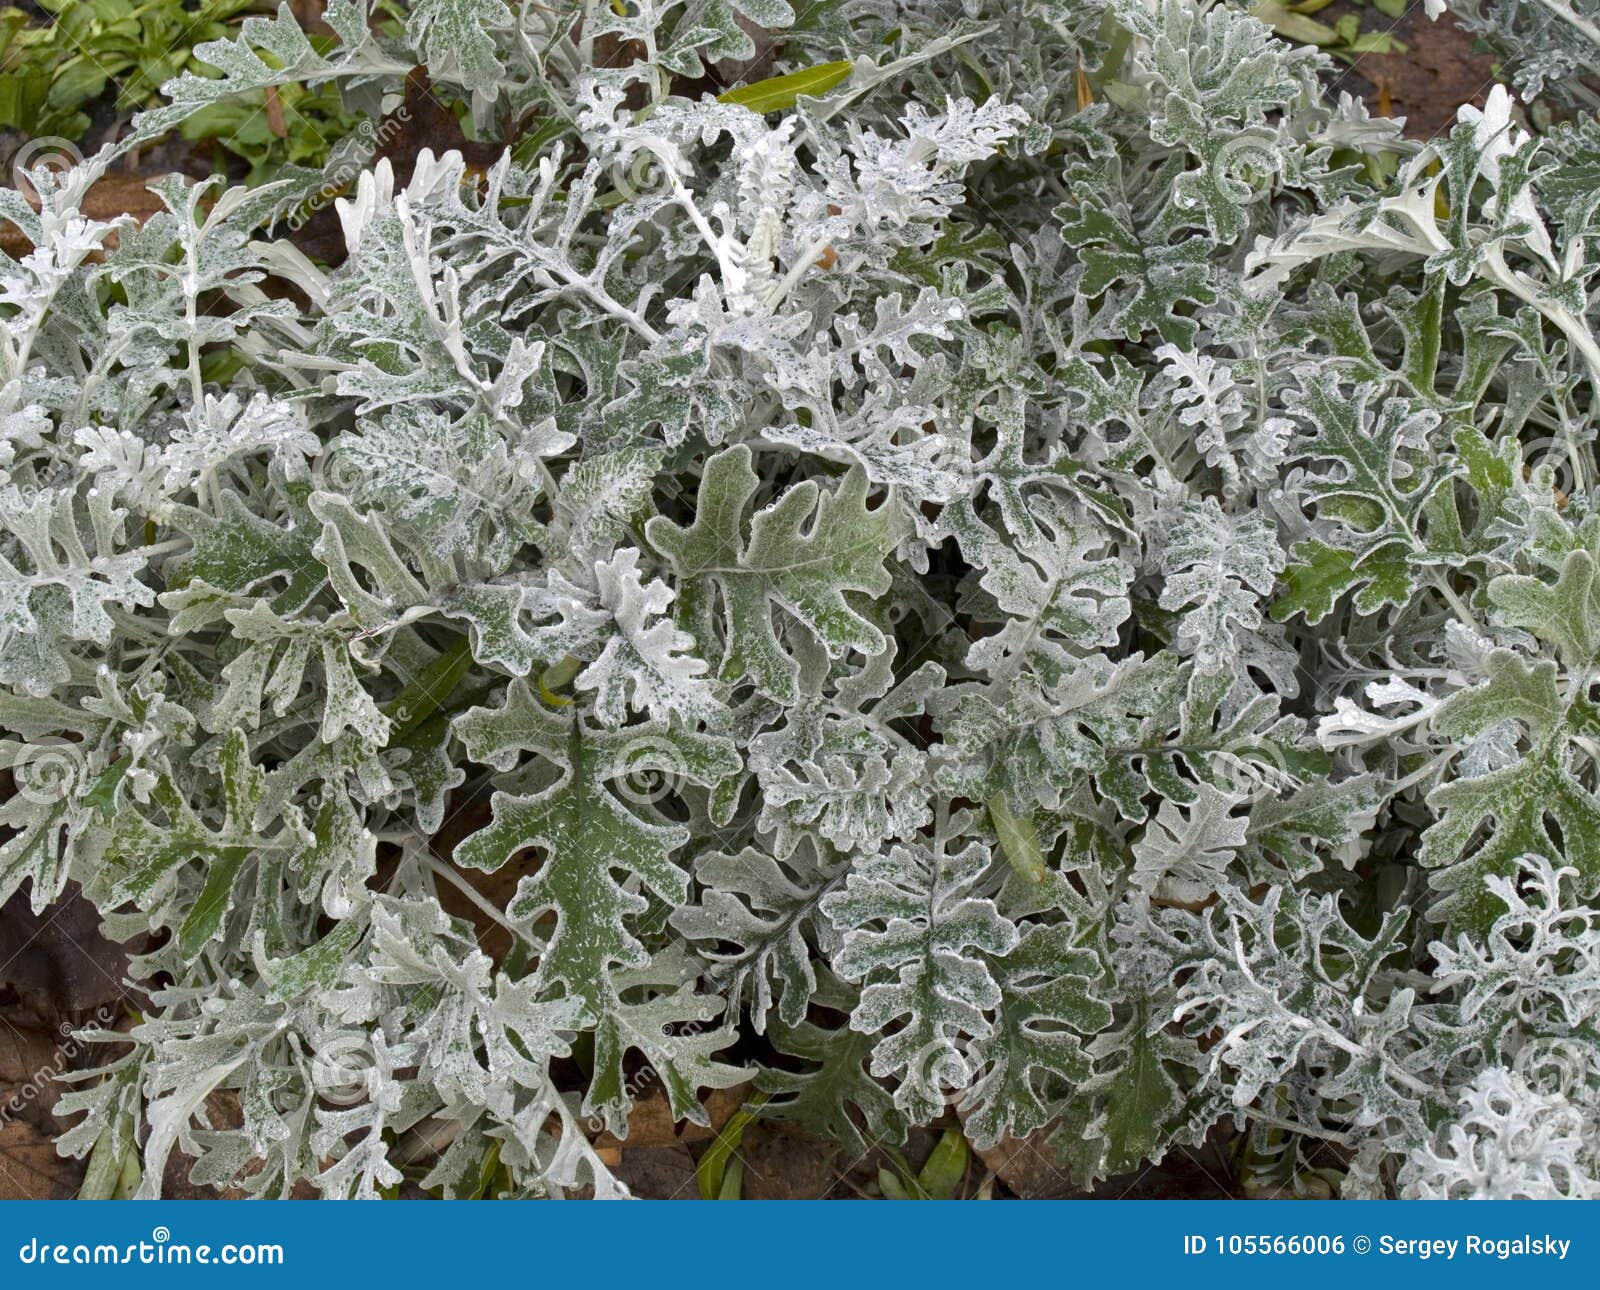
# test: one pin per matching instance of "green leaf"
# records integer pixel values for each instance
(1052, 1004)
(454, 37)
(1371, 498)
(806, 553)
(945, 1167)
(1122, 1116)
(1486, 824)
(598, 859)
(1019, 841)
(719, 1163)
(1291, 25)
(831, 1094)
(777, 93)
(922, 944)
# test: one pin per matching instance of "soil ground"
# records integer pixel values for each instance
(1425, 83)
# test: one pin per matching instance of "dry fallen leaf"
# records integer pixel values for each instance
(58, 963)
(651, 1123)
(30, 1169)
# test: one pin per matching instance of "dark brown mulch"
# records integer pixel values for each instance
(1438, 71)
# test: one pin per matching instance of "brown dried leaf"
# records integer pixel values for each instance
(651, 1125)
(30, 1169)
(58, 963)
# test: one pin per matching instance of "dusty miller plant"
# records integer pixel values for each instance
(1550, 47)
(1064, 603)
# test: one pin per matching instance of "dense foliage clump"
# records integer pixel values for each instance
(1063, 602)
